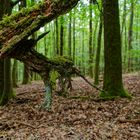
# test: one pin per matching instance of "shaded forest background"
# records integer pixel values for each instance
(76, 34)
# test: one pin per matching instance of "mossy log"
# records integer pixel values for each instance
(19, 26)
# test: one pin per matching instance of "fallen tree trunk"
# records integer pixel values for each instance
(19, 26)
(15, 30)
(24, 51)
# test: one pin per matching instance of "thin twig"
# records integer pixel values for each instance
(26, 124)
(87, 81)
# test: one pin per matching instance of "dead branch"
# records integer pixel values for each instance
(86, 80)
(26, 124)
(134, 121)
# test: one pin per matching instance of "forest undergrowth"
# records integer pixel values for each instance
(72, 119)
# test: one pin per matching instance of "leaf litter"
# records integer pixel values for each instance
(72, 119)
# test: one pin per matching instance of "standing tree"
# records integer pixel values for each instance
(90, 40)
(112, 51)
(56, 37)
(61, 35)
(97, 61)
(130, 34)
(6, 91)
(69, 36)
(23, 4)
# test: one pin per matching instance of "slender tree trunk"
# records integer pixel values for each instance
(123, 18)
(90, 41)
(74, 37)
(69, 36)
(130, 35)
(15, 73)
(61, 35)
(125, 50)
(83, 51)
(45, 43)
(113, 84)
(7, 89)
(94, 37)
(97, 62)
(26, 69)
(26, 74)
(56, 36)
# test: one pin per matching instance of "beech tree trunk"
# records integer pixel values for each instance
(61, 35)
(15, 73)
(90, 41)
(69, 36)
(7, 93)
(97, 61)
(130, 35)
(113, 84)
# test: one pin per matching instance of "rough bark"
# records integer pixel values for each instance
(12, 29)
(56, 37)
(6, 7)
(97, 61)
(13, 39)
(112, 51)
(15, 73)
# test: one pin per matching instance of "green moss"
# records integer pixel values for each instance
(62, 60)
(112, 95)
(10, 21)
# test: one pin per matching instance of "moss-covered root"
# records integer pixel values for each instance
(109, 95)
(48, 96)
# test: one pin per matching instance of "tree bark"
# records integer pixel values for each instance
(90, 41)
(69, 36)
(7, 88)
(12, 29)
(13, 39)
(61, 35)
(15, 73)
(130, 35)
(97, 61)
(42, 65)
(56, 37)
(112, 51)
(73, 35)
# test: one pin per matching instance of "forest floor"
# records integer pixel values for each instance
(72, 119)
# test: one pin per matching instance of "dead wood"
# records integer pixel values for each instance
(134, 121)
(19, 26)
